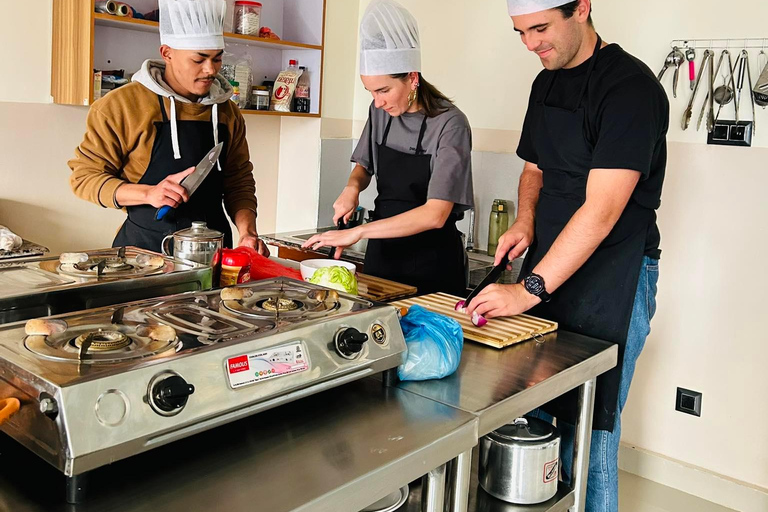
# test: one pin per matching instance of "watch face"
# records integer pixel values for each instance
(534, 284)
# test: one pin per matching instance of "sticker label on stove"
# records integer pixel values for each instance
(276, 362)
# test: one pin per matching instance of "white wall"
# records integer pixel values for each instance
(26, 72)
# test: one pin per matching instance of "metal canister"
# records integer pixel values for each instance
(198, 243)
(520, 462)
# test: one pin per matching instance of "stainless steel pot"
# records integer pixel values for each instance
(198, 243)
(520, 462)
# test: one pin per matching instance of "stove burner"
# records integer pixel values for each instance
(101, 344)
(274, 304)
(102, 341)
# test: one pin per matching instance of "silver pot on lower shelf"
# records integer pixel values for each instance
(520, 462)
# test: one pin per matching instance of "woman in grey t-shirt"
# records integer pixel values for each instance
(418, 144)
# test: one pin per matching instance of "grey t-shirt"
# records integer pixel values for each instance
(448, 138)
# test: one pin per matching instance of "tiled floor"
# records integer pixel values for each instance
(637, 494)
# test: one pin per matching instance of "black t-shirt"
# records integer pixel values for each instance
(627, 120)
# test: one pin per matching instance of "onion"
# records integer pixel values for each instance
(478, 320)
(460, 307)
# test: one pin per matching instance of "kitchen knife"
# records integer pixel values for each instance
(191, 182)
(491, 278)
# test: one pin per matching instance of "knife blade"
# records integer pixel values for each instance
(491, 278)
(191, 182)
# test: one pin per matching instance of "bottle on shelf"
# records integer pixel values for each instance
(301, 95)
(498, 224)
(235, 92)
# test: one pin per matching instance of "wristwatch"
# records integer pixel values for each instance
(534, 284)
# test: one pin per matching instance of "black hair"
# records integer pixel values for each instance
(569, 9)
(431, 100)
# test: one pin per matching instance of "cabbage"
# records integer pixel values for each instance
(336, 277)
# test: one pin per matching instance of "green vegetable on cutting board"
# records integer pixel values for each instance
(336, 277)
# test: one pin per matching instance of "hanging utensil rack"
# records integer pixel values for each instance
(758, 43)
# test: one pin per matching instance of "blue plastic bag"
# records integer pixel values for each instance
(434, 345)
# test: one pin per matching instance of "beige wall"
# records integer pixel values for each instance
(340, 67)
(706, 335)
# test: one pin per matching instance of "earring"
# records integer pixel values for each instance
(412, 96)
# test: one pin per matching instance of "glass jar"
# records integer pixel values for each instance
(260, 98)
(498, 224)
(247, 18)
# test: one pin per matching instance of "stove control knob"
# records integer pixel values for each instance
(170, 394)
(350, 342)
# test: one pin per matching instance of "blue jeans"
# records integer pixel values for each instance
(603, 479)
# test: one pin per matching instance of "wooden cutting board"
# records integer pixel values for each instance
(383, 290)
(498, 332)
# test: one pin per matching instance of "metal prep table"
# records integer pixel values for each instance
(498, 386)
(338, 451)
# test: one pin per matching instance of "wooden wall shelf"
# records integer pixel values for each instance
(109, 20)
(84, 40)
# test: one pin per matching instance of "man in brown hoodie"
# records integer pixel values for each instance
(144, 138)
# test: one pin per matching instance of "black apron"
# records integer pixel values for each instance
(432, 261)
(597, 300)
(195, 141)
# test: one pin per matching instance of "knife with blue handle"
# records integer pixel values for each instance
(191, 182)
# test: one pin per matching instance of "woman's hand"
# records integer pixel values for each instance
(340, 239)
(345, 205)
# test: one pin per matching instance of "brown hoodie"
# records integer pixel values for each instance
(120, 134)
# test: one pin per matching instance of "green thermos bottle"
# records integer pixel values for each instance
(498, 225)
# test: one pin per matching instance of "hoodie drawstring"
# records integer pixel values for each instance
(174, 131)
(215, 121)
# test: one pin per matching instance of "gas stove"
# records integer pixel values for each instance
(101, 385)
(42, 286)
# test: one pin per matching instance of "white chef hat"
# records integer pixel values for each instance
(520, 7)
(192, 24)
(389, 40)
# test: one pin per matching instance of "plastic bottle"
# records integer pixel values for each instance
(498, 224)
(235, 91)
(301, 96)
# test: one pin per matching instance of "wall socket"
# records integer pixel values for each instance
(688, 402)
(731, 133)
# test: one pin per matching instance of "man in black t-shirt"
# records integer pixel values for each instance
(594, 143)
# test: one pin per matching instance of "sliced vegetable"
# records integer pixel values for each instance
(336, 277)
(478, 320)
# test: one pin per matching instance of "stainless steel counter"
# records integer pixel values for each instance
(338, 451)
(500, 385)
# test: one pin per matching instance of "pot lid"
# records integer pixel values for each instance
(199, 231)
(390, 502)
(525, 429)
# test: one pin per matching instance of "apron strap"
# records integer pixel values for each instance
(419, 148)
(590, 68)
(386, 132)
(162, 108)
